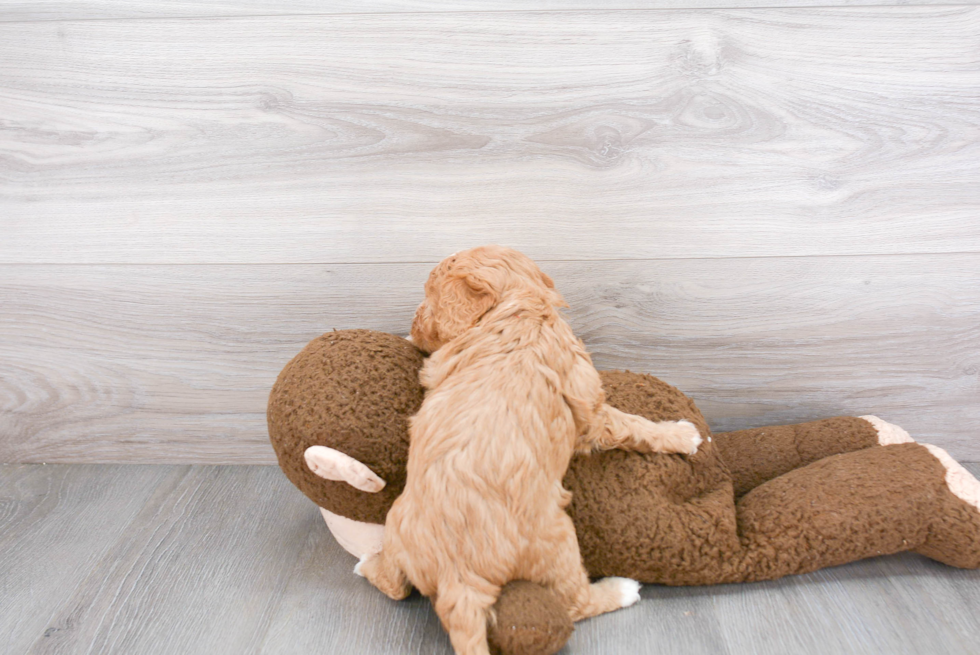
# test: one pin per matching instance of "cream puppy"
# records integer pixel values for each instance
(511, 395)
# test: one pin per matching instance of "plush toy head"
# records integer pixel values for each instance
(353, 391)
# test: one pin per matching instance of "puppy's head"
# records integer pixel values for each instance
(465, 286)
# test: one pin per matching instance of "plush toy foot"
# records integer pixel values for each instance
(954, 536)
(530, 621)
(888, 433)
(960, 481)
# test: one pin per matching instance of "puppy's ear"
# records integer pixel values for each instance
(464, 298)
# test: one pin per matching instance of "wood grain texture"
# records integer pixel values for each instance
(200, 569)
(56, 524)
(174, 363)
(16, 10)
(570, 135)
(231, 560)
(882, 605)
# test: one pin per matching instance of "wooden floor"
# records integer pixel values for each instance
(232, 559)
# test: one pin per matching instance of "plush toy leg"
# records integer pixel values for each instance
(861, 504)
(761, 454)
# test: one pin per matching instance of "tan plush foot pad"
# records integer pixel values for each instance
(960, 481)
(954, 535)
(888, 433)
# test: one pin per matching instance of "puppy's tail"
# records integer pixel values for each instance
(464, 610)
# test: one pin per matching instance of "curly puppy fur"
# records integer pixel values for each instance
(511, 395)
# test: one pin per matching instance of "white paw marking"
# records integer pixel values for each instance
(695, 439)
(360, 563)
(888, 433)
(629, 590)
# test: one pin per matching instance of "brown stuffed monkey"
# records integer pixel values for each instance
(749, 505)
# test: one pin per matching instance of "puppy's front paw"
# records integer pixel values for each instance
(689, 437)
(672, 437)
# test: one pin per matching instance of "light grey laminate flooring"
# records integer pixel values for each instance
(233, 559)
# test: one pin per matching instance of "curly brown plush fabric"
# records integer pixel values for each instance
(846, 507)
(530, 621)
(352, 390)
(759, 455)
(815, 494)
(651, 513)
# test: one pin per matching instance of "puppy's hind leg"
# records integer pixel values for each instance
(385, 574)
(464, 611)
(607, 595)
(567, 577)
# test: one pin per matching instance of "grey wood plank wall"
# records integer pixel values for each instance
(13, 10)
(776, 209)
